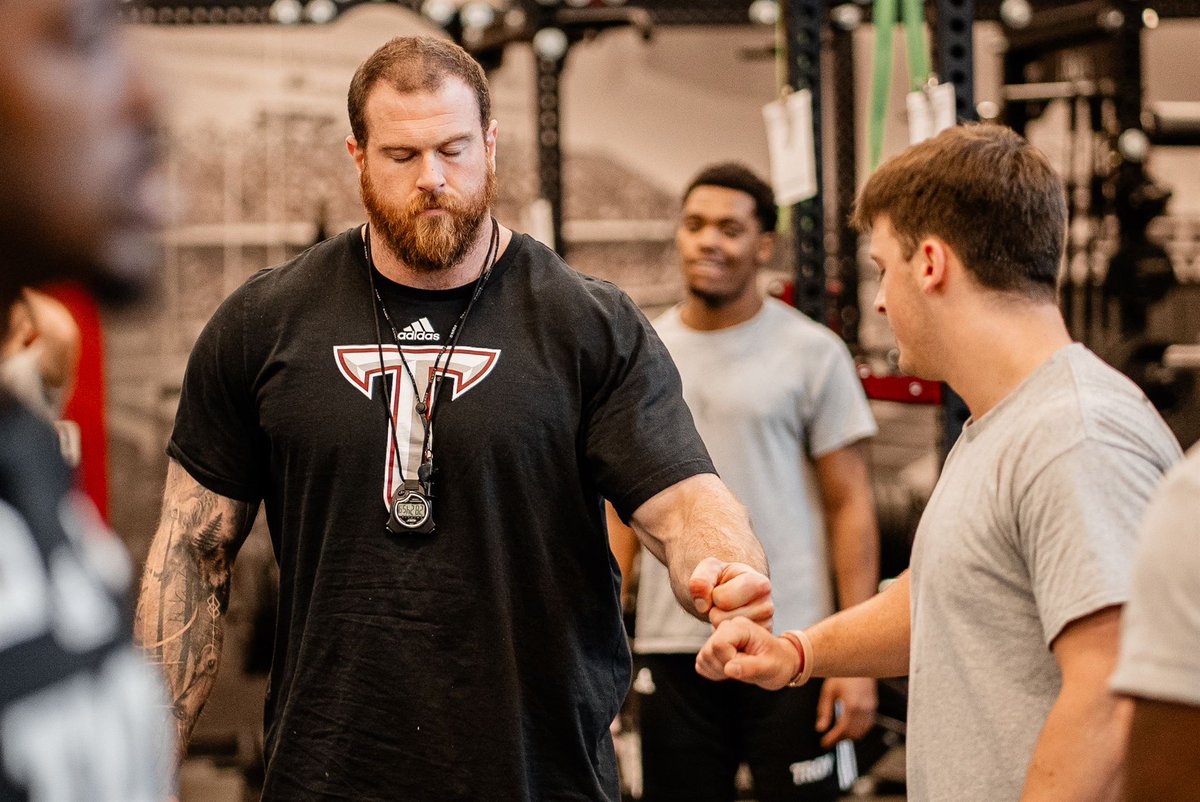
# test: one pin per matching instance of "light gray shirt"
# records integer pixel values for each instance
(1160, 639)
(1032, 525)
(769, 396)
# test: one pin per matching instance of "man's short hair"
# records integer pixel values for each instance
(733, 175)
(990, 195)
(415, 64)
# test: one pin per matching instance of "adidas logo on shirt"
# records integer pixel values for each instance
(419, 331)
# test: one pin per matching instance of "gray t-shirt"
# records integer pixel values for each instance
(1032, 525)
(768, 395)
(1160, 639)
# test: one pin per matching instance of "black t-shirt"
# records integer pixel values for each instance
(81, 714)
(484, 661)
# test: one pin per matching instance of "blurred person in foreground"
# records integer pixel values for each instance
(80, 712)
(1159, 666)
(1007, 622)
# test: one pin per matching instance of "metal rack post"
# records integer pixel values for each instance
(803, 21)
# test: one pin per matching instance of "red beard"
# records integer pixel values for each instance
(429, 243)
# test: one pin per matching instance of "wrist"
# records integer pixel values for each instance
(803, 647)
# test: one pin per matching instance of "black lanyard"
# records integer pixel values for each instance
(425, 406)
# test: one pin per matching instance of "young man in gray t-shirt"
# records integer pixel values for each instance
(1007, 622)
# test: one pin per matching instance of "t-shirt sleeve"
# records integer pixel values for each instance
(1160, 638)
(837, 412)
(1077, 522)
(640, 437)
(216, 436)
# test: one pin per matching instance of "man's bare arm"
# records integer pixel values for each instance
(700, 531)
(871, 639)
(846, 498)
(185, 590)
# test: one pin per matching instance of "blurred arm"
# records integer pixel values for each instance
(850, 520)
(849, 508)
(625, 547)
(1164, 742)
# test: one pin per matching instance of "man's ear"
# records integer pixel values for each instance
(358, 154)
(489, 142)
(933, 263)
(765, 248)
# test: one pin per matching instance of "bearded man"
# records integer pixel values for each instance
(431, 408)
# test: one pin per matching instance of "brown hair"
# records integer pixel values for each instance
(993, 198)
(415, 64)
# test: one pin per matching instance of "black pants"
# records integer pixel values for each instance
(696, 732)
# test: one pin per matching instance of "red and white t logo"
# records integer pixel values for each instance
(360, 365)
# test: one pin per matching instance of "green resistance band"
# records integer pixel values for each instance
(884, 16)
(913, 12)
(883, 19)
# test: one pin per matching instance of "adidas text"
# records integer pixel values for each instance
(418, 331)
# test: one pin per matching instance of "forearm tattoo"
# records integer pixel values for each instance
(185, 590)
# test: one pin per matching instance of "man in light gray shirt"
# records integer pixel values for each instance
(783, 414)
(1007, 622)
